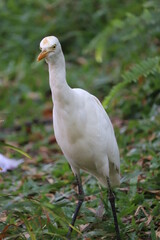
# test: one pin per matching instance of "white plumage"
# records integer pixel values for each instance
(86, 137)
(82, 128)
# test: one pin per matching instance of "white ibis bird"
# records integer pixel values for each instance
(82, 128)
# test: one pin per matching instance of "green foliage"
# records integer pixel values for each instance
(130, 35)
(144, 68)
(2, 144)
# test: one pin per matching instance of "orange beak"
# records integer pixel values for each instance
(42, 55)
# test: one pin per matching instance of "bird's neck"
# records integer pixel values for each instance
(57, 80)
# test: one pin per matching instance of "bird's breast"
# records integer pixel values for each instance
(73, 137)
(84, 133)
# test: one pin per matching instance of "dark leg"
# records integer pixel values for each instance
(111, 198)
(80, 201)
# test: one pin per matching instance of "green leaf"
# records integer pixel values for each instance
(144, 68)
(29, 228)
(15, 149)
(153, 233)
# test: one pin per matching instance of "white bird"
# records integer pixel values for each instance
(82, 128)
(8, 164)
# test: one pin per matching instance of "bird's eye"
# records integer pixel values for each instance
(40, 48)
(54, 46)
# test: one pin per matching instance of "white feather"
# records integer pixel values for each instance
(8, 164)
(82, 128)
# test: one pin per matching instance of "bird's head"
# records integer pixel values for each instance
(50, 47)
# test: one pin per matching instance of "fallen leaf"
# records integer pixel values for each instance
(154, 191)
(141, 178)
(3, 216)
(4, 231)
(158, 233)
(83, 226)
(125, 189)
(152, 137)
(50, 180)
(157, 197)
(52, 140)
(148, 220)
(37, 176)
(47, 112)
(149, 217)
(92, 210)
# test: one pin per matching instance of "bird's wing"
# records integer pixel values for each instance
(112, 151)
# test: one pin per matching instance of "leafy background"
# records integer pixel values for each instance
(112, 50)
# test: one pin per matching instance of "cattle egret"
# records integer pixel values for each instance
(82, 128)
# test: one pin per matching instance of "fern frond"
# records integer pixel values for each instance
(98, 44)
(144, 68)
